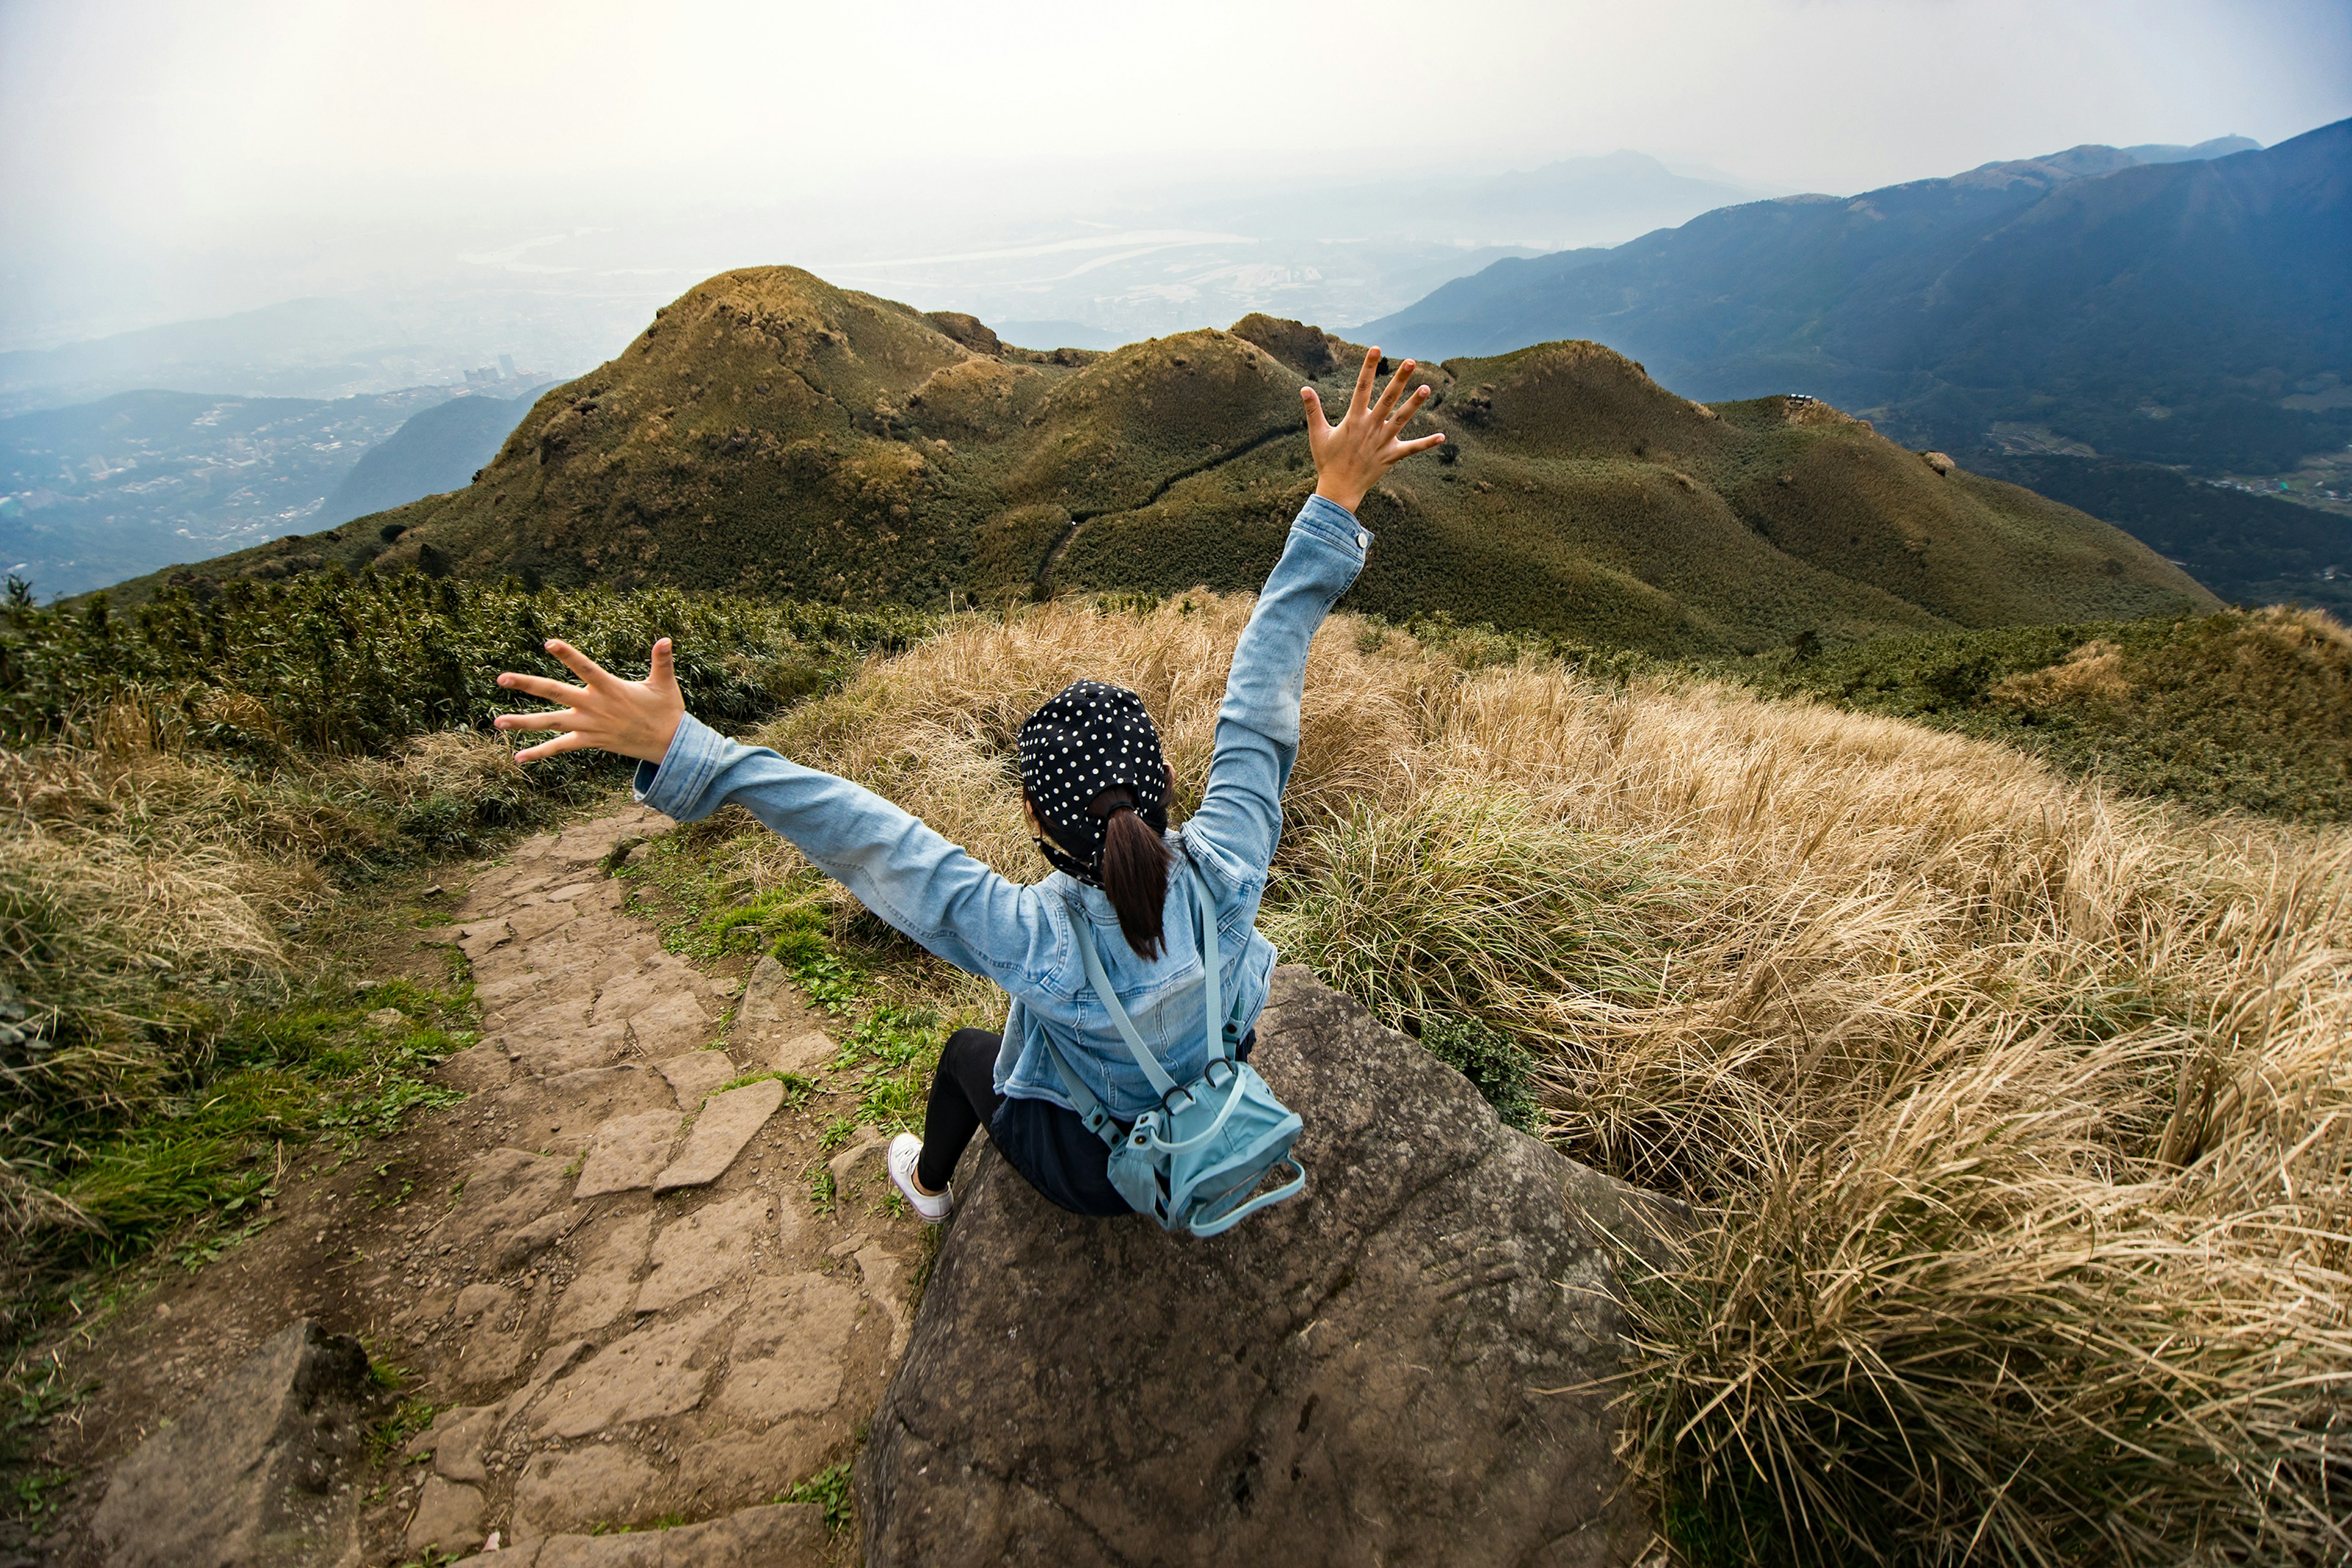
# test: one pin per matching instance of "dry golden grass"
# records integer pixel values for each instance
(2022, 1116)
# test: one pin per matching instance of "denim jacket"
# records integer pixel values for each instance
(1020, 937)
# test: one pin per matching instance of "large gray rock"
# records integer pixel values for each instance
(257, 1473)
(1405, 1365)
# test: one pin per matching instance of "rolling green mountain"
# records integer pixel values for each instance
(771, 434)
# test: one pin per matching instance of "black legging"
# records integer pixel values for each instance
(964, 1096)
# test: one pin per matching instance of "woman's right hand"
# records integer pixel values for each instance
(1351, 456)
(631, 718)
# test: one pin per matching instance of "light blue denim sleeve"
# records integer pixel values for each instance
(1257, 723)
(981, 922)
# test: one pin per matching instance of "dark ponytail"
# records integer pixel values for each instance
(1134, 869)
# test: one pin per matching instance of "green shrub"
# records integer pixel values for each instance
(1498, 1066)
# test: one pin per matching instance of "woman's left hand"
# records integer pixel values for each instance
(631, 718)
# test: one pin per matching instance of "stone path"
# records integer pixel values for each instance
(640, 1313)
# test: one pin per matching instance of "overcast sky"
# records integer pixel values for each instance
(285, 133)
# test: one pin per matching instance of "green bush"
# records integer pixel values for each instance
(1497, 1066)
(340, 666)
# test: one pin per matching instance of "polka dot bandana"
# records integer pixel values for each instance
(1090, 738)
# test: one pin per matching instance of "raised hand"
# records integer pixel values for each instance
(1351, 456)
(631, 718)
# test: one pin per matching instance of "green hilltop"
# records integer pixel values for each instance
(771, 434)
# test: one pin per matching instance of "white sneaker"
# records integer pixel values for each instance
(929, 1208)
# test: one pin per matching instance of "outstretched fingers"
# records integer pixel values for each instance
(1407, 449)
(1316, 418)
(1403, 414)
(558, 719)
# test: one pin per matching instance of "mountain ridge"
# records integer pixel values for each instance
(769, 433)
(1854, 297)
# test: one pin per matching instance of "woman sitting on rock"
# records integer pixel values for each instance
(1095, 790)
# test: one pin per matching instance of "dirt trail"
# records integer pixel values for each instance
(607, 1264)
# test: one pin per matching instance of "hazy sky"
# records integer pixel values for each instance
(135, 134)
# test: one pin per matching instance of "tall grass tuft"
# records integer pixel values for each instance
(2019, 1114)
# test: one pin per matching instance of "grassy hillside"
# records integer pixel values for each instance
(2250, 709)
(771, 434)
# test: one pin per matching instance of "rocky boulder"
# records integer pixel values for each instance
(258, 1472)
(1405, 1365)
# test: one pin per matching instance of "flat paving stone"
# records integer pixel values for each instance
(448, 1516)
(605, 1286)
(694, 1075)
(639, 1378)
(788, 1349)
(776, 1535)
(627, 1152)
(477, 940)
(727, 1122)
(676, 1023)
(806, 1053)
(560, 1112)
(604, 1484)
(697, 1251)
(456, 1440)
(505, 1190)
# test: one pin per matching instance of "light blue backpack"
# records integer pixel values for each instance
(1192, 1163)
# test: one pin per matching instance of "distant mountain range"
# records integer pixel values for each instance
(772, 434)
(2154, 310)
(102, 490)
(2177, 306)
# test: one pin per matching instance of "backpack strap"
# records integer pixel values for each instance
(1091, 1110)
(1162, 1084)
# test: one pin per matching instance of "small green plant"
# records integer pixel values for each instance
(207, 1247)
(1497, 1065)
(407, 1418)
(796, 1088)
(829, 1489)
